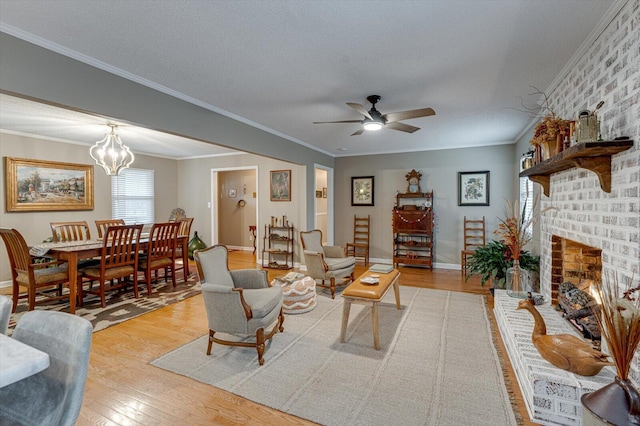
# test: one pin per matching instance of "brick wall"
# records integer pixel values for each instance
(609, 70)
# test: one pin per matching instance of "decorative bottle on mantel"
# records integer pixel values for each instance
(516, 281)
(195, 244)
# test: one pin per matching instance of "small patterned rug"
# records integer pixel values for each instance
(121, 304)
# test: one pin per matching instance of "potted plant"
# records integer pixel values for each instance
(492, 261)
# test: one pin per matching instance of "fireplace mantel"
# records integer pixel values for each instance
(593, 156)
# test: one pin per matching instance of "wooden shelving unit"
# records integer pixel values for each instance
(593, 156)
(413, 233)
(277, 247)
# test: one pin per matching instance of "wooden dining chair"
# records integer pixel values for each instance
(160, 252)
(38, 278)
(119, 259)
(102, 225)
(185, 232)
(70, 231)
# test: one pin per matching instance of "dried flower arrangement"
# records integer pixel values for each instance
(548, 130)
(513, 229)
(619, 324)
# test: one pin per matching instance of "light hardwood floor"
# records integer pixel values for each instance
(124, 389)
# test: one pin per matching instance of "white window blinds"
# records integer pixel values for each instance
(132, 196)
(526, 196)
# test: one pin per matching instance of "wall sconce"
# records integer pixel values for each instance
(111, 154)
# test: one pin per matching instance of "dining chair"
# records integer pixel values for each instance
(70, 231)
(36, 277)
(185, 232)
(102, 225)
(160, 252)
(53, 396)
(239, 302)
(118, 259)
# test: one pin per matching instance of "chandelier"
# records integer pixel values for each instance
(111, 154)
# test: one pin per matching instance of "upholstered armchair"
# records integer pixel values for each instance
(326, 263)
(238, 302)
(53, 396)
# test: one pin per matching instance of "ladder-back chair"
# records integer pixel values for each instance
(361, 235)
(474, 237)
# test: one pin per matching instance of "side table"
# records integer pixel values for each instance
(299, 293)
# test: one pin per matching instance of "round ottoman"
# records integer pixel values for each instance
(299, 294)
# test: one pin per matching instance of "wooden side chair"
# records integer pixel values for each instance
(36, 277)
(360, 244)
(238, 302)
(102, 225)
(160, 252)
(70, 231)
(474, 237)
(119, 259)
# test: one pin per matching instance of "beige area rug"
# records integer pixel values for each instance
(437, 364)
(122, 305)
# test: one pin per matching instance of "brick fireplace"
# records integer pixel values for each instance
(601, 228)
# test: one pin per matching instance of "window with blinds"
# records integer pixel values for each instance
(526, 196)
(132, 196)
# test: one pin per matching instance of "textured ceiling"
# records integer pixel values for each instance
(280, 65)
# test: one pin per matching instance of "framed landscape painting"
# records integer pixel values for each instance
(280, 185)
(37, 185)
(473, 188)
(362, 191)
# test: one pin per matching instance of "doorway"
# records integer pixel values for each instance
(235, 207)
(324, 202)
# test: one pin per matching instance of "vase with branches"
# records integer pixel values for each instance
(619, 320)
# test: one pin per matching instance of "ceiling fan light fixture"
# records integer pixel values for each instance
(111, 154)
(372, 125)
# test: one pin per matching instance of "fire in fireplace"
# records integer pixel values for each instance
(574, 267)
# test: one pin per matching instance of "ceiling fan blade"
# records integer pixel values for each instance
(402, 127)
(360, 109)
(357, 132)
(343, 121)
(405, 115)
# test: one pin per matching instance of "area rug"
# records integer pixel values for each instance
(437, 364)
(121, 305)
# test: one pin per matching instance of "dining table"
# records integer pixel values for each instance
(74, 251)
(19, 360)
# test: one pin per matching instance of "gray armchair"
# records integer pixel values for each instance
(5, 313)
(238, 302)
(326, 263)
(53, 396)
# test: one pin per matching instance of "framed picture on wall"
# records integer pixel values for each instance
(318, 194)
(37, 185)
(362, 191)
(473, 188)
(280, 185)
(232, 193)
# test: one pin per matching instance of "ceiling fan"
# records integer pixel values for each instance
(374, 120)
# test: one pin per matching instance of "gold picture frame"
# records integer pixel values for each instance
(280, 185)
(38, 185)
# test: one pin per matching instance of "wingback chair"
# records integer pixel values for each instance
(5, 313)
(326, 263)
(238, 302)
(53, 396)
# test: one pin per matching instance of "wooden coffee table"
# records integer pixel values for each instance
(369, 295)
